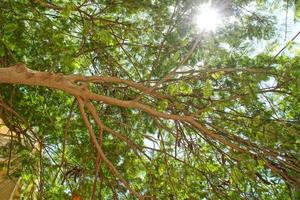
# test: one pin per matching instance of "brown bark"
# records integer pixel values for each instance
(20, 74)
(76, 85)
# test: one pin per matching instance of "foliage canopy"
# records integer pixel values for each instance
(127, 99)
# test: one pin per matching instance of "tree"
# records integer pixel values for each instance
(128, 99)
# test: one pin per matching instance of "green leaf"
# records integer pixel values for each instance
(10, 27)
(218, 75)
(184, 88)
(297, 10)
(68, 8)
(104, 36)
(162, 105)
(207, 89)
(172, 89)
(161, 170)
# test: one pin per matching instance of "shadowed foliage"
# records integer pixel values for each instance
(124, 99)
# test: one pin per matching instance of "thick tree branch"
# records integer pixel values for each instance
(20, 74)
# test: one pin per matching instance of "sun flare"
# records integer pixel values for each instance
(208, 18)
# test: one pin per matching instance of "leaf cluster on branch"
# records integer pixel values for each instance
(126, 100)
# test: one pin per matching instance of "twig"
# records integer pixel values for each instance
(287, 44)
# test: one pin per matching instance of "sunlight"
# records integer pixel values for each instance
(208, 18)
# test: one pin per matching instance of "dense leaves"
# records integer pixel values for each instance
(242, 142)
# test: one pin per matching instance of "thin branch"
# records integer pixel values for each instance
(110, 166)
